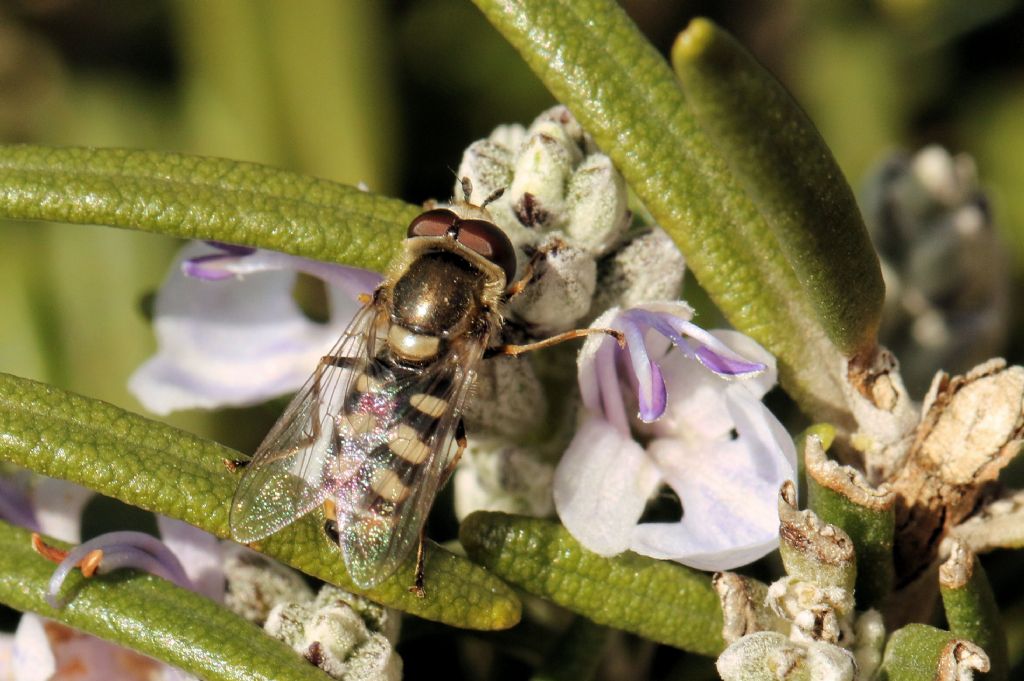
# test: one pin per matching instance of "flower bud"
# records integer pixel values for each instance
(561, 291)
(771, 656)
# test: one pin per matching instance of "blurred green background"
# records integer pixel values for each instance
(389, 93)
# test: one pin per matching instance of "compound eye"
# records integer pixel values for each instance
(486, 239)
(432, 223)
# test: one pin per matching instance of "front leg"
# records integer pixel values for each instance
(515, 350)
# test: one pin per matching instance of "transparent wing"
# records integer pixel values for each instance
(400, 430)
(287, 476)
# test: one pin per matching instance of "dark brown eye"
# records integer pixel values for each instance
(432, 223)
(486, 239)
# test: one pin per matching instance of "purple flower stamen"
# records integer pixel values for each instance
(136, 550)
(689, 338)
(232, 249)
(209, 267)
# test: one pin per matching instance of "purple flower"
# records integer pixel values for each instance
(117, 551)
(706, 435)
(15, 503)
(229, 332)
(41, 648)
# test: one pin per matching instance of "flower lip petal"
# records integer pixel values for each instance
(200, 553)
(728, 489)
(601, 486)
(240, 341)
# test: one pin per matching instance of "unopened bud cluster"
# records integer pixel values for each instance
(347, 636)
(566, 209)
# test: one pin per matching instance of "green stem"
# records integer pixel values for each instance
(971, 608)
(918, 652)
(842, 497)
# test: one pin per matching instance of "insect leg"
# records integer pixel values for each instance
(417, 587)
(530, 270)
(514, 350)
(234, 465)
(460, 447)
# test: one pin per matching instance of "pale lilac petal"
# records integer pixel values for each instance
(601, 486)
(32, 657)
(241, 261)
(7, 657)
(47, 650)
(651, 393)
(59, 505)
(598, 375)
(586, 362)
(239, 341)
(15, 503)
(775, 453)
(200, 555)
(728, 491)
(696, 412)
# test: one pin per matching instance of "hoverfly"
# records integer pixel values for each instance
(370, 436)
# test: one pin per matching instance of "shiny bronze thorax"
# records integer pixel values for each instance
(439, 294)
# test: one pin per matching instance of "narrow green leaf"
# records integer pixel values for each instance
(202, 198)
(971, 608)
(659, 600)
(595, 60)
(162, 469)
(842, 497)
(790, 174)
(919, 652)
(150, 615)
